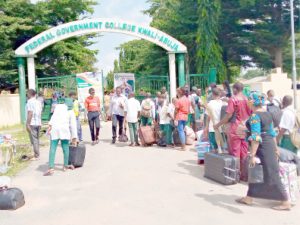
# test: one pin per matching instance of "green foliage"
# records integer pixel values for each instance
(20, 20)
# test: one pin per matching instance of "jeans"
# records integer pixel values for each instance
(79, 129)
(181, 126)
(94, 121)
(146, 121)
(167, 132)
(115, 120)
(35, 140)
(53, 147)
(133, 127)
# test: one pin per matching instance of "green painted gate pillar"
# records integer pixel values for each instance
(22, 87)
(181, 73)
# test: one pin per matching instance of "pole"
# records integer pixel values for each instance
(31, 73)
(172, 74)
(181, 70)
(22, 87)
(102, 81)
(294, 54)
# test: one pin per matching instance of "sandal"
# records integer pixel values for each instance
(70, 167)
(243, 201)
(131, 145)
(49, 172)
(282, 208)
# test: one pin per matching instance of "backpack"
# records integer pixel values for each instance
(276, 114)
(146, 109)
(295, 134)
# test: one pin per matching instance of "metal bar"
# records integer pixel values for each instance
(294, 55)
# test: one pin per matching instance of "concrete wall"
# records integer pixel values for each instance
(9, 110)
(277, 81)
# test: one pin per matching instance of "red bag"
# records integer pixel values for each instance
(146, 135)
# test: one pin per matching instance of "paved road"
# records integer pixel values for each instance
(134, 186)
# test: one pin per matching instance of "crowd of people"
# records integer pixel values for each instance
(241, 125)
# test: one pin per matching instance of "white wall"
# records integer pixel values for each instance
(9, 110)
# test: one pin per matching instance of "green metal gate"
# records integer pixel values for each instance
(203, 80)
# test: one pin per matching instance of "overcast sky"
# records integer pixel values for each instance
(129, 10)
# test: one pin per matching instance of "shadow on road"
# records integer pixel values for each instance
(223, 201)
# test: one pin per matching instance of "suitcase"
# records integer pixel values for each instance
(202, 147)
(222, 168)
(11, 199)
(288, 176)
(77, 155)
(146, 135)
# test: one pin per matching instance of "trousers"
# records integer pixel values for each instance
(53, 146)
(117, 119)
(35, 139)
(94, 124)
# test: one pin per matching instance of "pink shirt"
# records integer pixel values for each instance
(183, 108)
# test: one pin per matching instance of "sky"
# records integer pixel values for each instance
(128, 10)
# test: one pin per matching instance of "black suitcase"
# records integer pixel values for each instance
(77, 155)
(11, 199)
(222, 168)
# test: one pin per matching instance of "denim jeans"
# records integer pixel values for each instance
(181, 126)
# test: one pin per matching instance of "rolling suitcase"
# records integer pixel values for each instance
(77, 155)
(146, 135)
(11, 199)
(222, 168)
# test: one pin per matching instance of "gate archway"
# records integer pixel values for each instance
(30, 48)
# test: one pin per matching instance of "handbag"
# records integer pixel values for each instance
(255, 174)
(123, 137)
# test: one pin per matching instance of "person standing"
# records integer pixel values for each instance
(117, 106)
(237, 107)
(263, 147)
(272, 100)
(165, 120)
(287, 124)
(34, 121)
(92, 105)
(62, 127)
(76, 110)
(213, 113)
(132, 113)
(147, 111)
(165, 92)
(183, 105)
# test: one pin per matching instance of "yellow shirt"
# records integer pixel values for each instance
(76, 107)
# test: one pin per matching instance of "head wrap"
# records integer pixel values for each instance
(257, 97)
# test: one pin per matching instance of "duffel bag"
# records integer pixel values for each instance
(11, 199)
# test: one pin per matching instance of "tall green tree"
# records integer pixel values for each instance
(209, 52)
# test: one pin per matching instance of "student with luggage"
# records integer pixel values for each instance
(213, 115)
(165, 121)
(263, 147)
(132, 113)
(34, 121)
(182, 110)
(287, 124)
(92, 105)
(117, 106)
(237, 113)
(147, 111)
(62, 127)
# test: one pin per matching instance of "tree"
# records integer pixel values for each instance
(209, 53)
(14, 21)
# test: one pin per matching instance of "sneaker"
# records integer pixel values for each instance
(113, 141)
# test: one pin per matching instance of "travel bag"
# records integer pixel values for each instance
(222, 168)
(190, 135)
(146, 135)
(176, 138)
(11, 199)
(77, 155)
(288, 176)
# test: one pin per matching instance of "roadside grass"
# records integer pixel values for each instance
(23, 147)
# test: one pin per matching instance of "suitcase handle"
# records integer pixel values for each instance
(235, 172)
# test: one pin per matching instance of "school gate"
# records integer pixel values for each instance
(28, 50)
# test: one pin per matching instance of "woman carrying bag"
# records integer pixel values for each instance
(264, 149)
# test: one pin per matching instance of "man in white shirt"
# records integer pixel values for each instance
(132, 113)
(213, 113)
(165, 120)
(117, 105)
(272, 100)
(147, 111)
(287, 124)
(34, 121)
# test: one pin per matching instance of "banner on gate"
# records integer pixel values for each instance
(126, 81)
